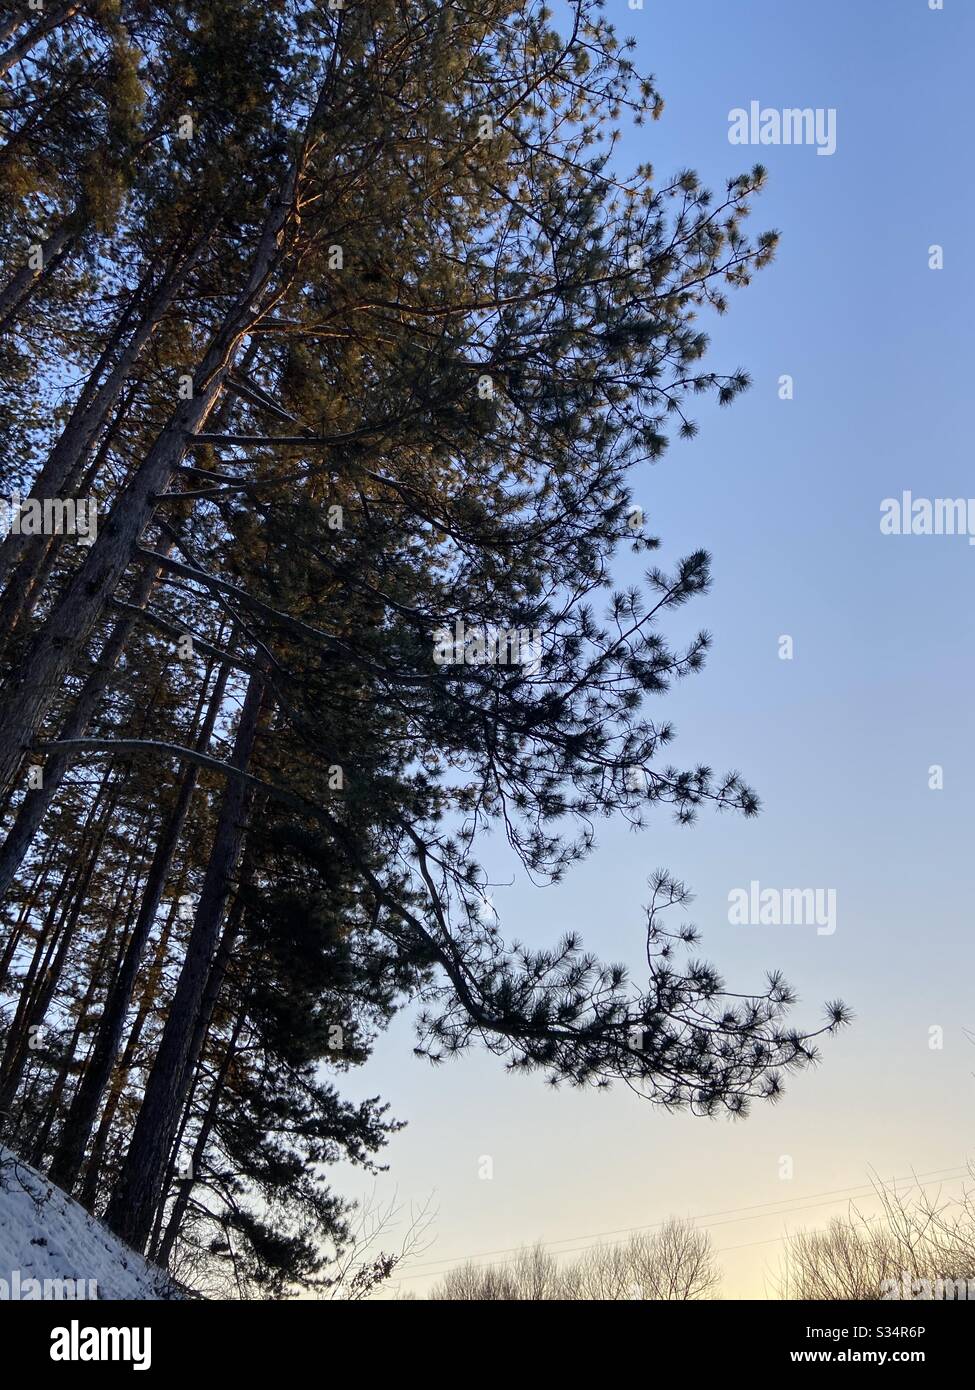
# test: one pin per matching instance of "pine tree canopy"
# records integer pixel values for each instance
(346, 321)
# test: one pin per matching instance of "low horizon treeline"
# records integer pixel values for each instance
(917, 1242)
(674, 1263)
(918, 1246)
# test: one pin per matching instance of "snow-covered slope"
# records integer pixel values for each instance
(45, 1236)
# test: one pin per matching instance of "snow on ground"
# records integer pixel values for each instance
(45, 1236)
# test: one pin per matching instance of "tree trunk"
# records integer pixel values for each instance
(72, 619)
(133, 1204)
(34, 36)
(15, 1057)
(147, 1002)
(36, 804)
(87, 418)
(215, 979)
(47, 934)
(53, 1107)
(30, 901)
(163, 1249)
(84, 1107)
(23, 282)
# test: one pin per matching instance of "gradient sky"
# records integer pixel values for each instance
(838, 742)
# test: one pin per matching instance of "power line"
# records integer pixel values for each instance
(705, 1222)
(707, 1216)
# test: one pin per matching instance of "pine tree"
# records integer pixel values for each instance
(368, 334)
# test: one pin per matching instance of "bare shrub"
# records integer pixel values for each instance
(674, 1263)
(915, 1237)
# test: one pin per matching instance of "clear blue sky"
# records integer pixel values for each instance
(838, 742)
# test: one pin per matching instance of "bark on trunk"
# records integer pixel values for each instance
(72, 619)
(18, 1049)
(150, 993)
(133, 1204)
(70, 1152)
(30, 901)
(37, 803)
(19, 287)
(63, 637)
(95, 976)
(79, 434)
(34, 36)
(218, 971)
(163, 1249)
